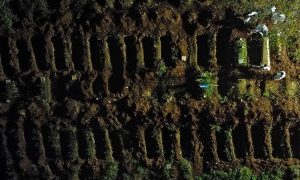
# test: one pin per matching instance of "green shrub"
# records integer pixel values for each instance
(293, 172)
(186, 168)
(166, 170)
(244, 173)
(207, 79)
(111, 170)
(41, 7)
(90, 144)
(272, 175)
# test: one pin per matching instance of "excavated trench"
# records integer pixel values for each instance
(77, 97)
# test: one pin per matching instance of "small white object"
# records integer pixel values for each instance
(280, 75)
(249, 16)
(266, 68)
(262, 29)
(253, 13)
(273, 9)
(183, 58)
(247, 20)
(74, 77)
(43, 79)
(263, 68)
(278, 17)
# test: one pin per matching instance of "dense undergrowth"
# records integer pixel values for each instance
(245, 173)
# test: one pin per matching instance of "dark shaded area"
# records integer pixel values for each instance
(13, 141)
(6, 162)
(225, 59)
(98, 87)
(96, 53)
(130, 138)
(205, 138)
(295, 139)
(189, 25)
(151, 143)
(38, 44)
(23, 55)
(258, 137)
(240, 140)
(5, 57)
(205, 17)
(117, 146)
(175, 3)
(99, 140)
(224, 49)
(2, 152)
(59, 52)
(31, 134)
(166, 53)
(77, 51)
(116, 81)
(203, 50)
(131, 55)
(60, 91)
(278, 141)
(221, 144)
(87, 172)
(185, 142)
(255, 49)
(148, 47)
(168, 143)
(82, 143)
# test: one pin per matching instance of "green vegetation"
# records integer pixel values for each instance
(90, 144)
(229, 153)
(243, 173)
(53, 139)
(186, 168)
(71, 145)
(110, 3)
(45, 89)
(6, 16)
(41, 7)
(241, 45)
(166, 170)
(72, 171)
(274, 175)
(265, 52)
(111, 170)
(271, 90)
(215, 127)
(293, 172)
(206, 81)
(127, 3)
(161, 69)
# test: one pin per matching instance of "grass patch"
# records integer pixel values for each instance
(206, 82)
(111, 170)
(293, 172)
(242, 52)
(6, 16)
(186, 169)
(243, 173)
